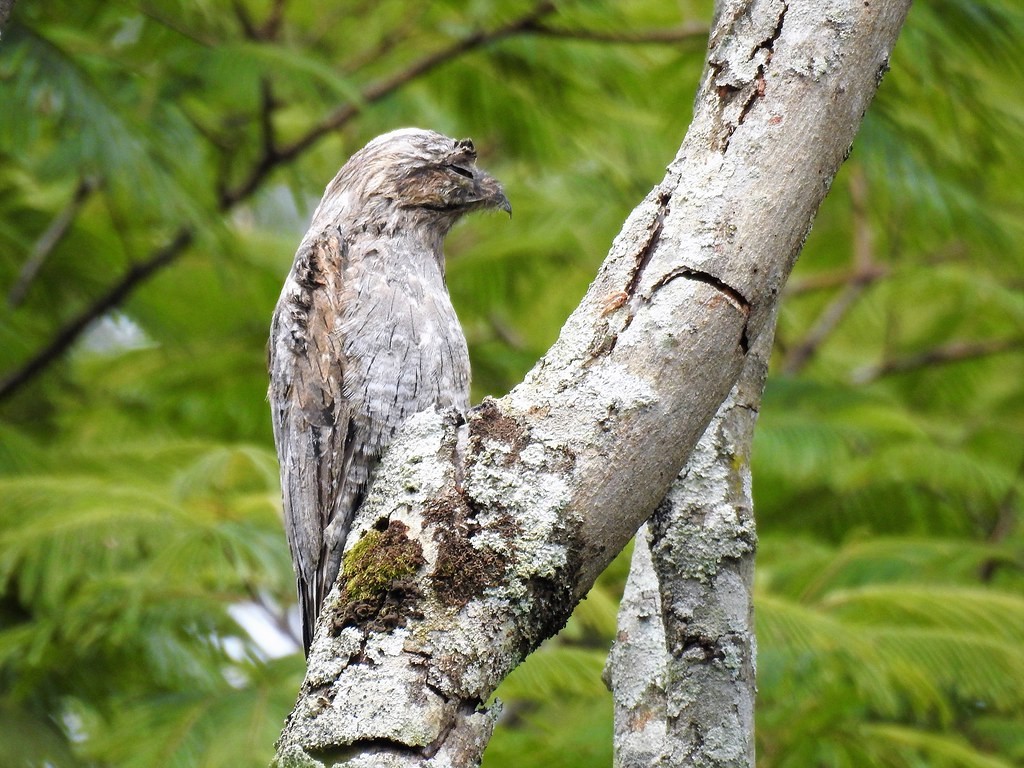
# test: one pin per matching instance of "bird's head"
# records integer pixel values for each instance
(411, 177)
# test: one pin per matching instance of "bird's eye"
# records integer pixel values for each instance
(461, 171)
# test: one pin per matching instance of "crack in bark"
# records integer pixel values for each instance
(653, 238)
(340, 755)
(769, 44)
(703, 648)
(733, 296)
(750, 90)
(606, 339)
(456, 710)
(760, 82)
(465, 708)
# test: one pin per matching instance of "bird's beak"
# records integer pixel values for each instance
(491, 194)
(503, 204)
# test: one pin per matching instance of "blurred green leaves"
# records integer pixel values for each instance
(139, 513)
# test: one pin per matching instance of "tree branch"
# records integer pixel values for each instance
(954, 352)
(827, 281)
(6, 6)
(681, 670)
(1004, 525)
(270, 158)
(497, 528)
(864, 274)
(267, 31)
(377, 91)
(117, 293)
(267, 106)
(412, 21)
(47, 241)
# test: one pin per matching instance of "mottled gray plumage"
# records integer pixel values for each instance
(364, 334)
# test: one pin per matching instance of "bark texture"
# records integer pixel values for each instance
(682, 667)
(637, 670)
(476, 540)
(6, 6)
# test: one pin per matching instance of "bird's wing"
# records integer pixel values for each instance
(312, 419)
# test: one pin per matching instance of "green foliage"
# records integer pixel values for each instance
(139, 523)
(869, 665)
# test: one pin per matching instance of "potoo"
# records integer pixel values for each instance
(364, 335)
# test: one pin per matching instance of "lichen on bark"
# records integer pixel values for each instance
(378, 592)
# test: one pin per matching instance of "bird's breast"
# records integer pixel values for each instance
(404, 351)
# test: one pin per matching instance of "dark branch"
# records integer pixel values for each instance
(377, 91)
(267, 106)
(49, 239)
(244, 20)
(176, 25)
(392, 40)
(117, 293)
(271, 27)
(6, 6)
(1005, 524)
(270, 159)
(268, 30)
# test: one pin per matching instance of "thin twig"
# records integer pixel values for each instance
(826, 281)
(389, 42)
(177, 26)
(113, 297)
(265, 32)
(47, 241)
(1005, 523)
(954, 352)
(864, 275)
(505, 333)
(244, 20)
(271, 27)
(267, 107)
(798, 357)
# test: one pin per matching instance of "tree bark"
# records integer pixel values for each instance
(477, 539)
(6, 6)
(682, 666)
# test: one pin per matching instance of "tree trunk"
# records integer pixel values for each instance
(477, 539)
(682, 666)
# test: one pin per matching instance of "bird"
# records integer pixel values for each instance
(364, 335)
